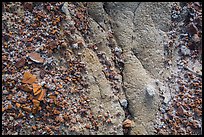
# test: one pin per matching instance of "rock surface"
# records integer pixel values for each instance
(138, 30)
(123, 53)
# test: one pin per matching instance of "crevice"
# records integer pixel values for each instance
(134, 12)
(99, 87)
(135, 54)
(127, 112)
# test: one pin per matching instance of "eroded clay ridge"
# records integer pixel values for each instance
(100, 68)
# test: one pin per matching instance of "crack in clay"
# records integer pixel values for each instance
(134, 12)
(141, 62)
(99, 87)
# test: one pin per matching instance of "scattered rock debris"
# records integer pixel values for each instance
(182, 115)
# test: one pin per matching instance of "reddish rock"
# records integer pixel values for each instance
(42, 73)
(28, 6)
(87, 126)
(20, 63)
(191, 28)
(127, 123)
(196, 38)
(52, 45)
(180, 111)
(48, 7)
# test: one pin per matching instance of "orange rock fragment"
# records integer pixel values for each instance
(39, 108)
(127, 123)
(36, 103)
(20, 115)
(199, 112)
(34, 127)
(54, 31)
(47, 129)
(28, 109)
(9, 97)
(28, 78)
(3, 109)
(60, 86)
(66, 117)
(18, 105)
(30, 40)
(42, 95)
(56, 112)
(48, 108)
(57, 93)
(34, 110)
(58, 19)
(9, 106)
(36, 89)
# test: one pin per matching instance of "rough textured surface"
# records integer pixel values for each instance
(139, 31)
(121, 46)
(101, 94)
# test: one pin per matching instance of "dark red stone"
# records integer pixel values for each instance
(28, 6)
(192, 29)
(20, 63)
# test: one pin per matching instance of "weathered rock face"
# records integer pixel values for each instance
(139, 29)
(102, 95)
(123, 57)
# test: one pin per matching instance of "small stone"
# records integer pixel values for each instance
(11, 118)
(196, 38)
(184, 50)
(16, 133)
(87, 126)
(124, 103)
(48, 7)
(20, 63)
(31, 116)
(192, 28)
(28, 6)
(118, 49)
(127, 123)
(42, 73)
(75, 46)
(157, 82)
(180, 111)
(167, 97)
(161, 132)
(6, 37)
(5, 92)
(165, 116)
(36, 57)
(34, 127)
(150, 90)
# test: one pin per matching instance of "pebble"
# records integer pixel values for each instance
(11, 118)
(150, 90)
(16, 133)
(167, 97)
(124, 103)
(185, 50)
(5, 92)
(192, 28)
(31, 116)
(180, 111)
(118, 49)
(127, 123)
(157, 82)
